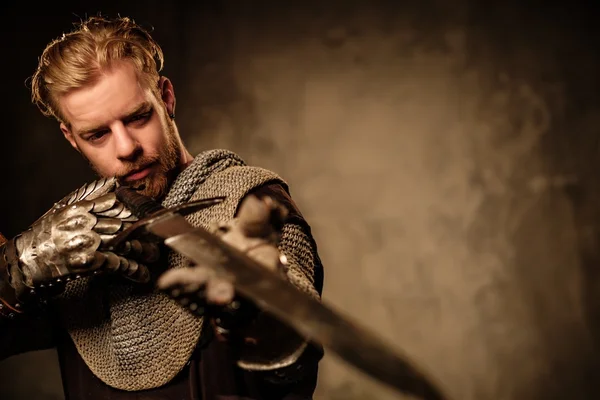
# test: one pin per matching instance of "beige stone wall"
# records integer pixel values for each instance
(419, 162)
(438, 159)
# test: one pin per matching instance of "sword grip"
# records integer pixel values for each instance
(141, 206)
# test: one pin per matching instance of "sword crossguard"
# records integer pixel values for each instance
(149, 211)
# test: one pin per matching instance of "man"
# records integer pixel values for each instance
(138, 321)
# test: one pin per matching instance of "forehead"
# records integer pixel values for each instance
(116, 92)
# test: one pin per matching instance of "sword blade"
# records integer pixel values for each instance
(313, 319)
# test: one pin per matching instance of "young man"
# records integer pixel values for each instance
(128, 323)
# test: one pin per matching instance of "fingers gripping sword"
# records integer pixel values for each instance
(315, 320)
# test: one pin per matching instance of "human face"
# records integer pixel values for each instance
(123, 130)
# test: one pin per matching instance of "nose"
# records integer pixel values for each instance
(127, 147)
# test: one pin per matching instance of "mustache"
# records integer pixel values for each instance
(136, 166)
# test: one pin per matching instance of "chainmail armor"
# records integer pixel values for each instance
(135, 338)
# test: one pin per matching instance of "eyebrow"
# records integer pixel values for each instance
(140, 109)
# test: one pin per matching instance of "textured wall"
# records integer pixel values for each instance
(445, 155)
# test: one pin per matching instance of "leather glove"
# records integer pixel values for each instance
(69, 242)
(254, 231)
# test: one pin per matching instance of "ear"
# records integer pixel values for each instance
(167, 94)
(69, 136)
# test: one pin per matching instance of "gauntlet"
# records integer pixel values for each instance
(69, 242)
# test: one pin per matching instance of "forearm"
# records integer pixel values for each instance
(12, 289)
(266, 344)
(9, 304)
(276, 351)
(269, 345)
(23, 326)
(267, 234)
(17, 296)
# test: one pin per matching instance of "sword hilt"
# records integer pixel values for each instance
(140, 205)
(148, 210)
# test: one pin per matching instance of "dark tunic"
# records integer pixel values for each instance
(211, 374)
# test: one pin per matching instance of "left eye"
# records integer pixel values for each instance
(139, 117)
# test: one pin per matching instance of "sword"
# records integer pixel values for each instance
(313, 319)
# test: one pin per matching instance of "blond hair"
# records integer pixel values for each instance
(78, 58)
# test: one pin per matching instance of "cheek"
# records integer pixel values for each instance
(102, 164)
(101, 159)
(153, 140)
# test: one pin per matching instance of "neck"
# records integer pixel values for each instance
(185, 160)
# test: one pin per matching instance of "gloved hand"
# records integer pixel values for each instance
(69, 242)
(255, 231)
(263, 343)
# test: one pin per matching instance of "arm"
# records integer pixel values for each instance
(20, 331)
(266, 226)
(266, 344)
(65, 244)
